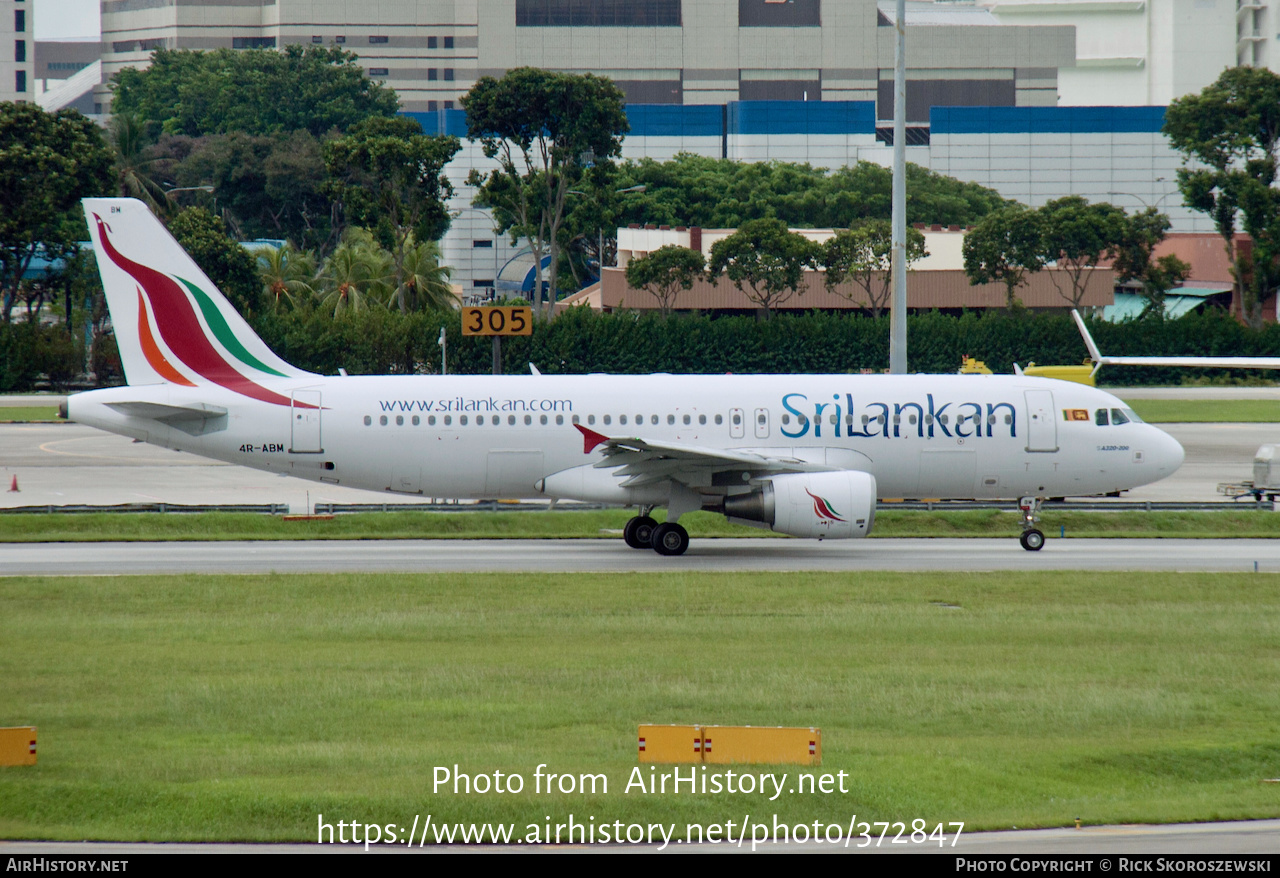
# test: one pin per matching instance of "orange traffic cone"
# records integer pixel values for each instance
(13, 488)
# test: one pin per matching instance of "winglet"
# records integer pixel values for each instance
(590, 439)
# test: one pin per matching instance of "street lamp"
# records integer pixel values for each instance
(1144, 201)
(639, 187)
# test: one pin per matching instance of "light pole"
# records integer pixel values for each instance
(640, 187)
(1144, 201)
(206, 188)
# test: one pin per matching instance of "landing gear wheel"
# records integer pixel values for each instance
(1032, 540)
(638, 532)
(670, 539)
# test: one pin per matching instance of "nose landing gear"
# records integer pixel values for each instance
(1032, 538)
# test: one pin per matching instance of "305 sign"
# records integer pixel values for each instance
(497, 321)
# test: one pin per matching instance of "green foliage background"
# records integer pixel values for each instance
(378, 341)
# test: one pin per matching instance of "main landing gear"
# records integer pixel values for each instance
(668, 538)
(1032, 538)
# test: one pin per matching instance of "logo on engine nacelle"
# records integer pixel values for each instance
(822, 509)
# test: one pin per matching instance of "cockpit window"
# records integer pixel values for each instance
(1133, 416)
(1100, 418)
(1118, 417)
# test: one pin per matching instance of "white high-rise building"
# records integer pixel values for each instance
(17, 51)
(1147, 52)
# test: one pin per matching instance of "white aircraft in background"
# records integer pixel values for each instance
(1203, 362)
(806, 455)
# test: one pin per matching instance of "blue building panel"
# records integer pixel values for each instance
(1046, 120)
(675, 120)
(438, 122)
(802, 117)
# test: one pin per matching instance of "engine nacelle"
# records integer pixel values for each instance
(836, 506)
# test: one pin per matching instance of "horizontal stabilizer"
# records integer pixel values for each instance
(195, 419)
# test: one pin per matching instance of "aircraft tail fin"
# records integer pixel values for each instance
(1089, 343)
(172, 325)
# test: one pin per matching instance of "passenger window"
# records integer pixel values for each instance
(702, 419)
(737, 419)
(607, 420)
(622, 419)
(543, 420)
(1100, 418)
(1117, 417)
(671, 419)
(511, 420)
(448, 419)
(528, 419)
(559, 420)
(383, 420)
(719, 419)
(462, 421)
(399, 420)
(653, 419)
(686, 419)
(416, 420)
(367, 420)
(786, 419)
(431, 420)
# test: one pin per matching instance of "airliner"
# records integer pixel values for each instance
(805, 455)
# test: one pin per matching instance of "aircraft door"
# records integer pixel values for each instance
(762, 423)
(1042, 427)
(305, 422)
(737, 425)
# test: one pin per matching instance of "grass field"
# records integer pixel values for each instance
(1241, 523)
(1187, 411)
(241, 707)
(9, 414)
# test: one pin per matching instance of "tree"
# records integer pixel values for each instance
(231, 267)
(858, 252)
(1229, 134)
(133, 166)
(665, 272)
(543, 128)
(288, 275)
(389, 176)
(1133, 262)
(266, 186)
(48, 162)
(1078, 235)
(357, 273)
(765, 260)
(1003, 248)
(255, 91)
(422, 282)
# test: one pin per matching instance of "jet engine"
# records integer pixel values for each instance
(839, 505)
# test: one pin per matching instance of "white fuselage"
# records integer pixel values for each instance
(934, 436)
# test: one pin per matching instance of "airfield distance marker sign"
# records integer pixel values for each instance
(497, 321)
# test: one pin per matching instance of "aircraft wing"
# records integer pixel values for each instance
(1218, 362)
(646, 462)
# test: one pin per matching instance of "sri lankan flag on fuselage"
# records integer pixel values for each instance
(171, 323)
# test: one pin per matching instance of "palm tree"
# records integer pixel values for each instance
(133, 168)
(288, 274)
(423, 281)
(356, 272)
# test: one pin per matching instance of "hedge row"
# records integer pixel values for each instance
(581, 340)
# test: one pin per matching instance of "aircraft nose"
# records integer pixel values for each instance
(1167, 453)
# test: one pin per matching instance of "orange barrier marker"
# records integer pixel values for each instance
(18, 745)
